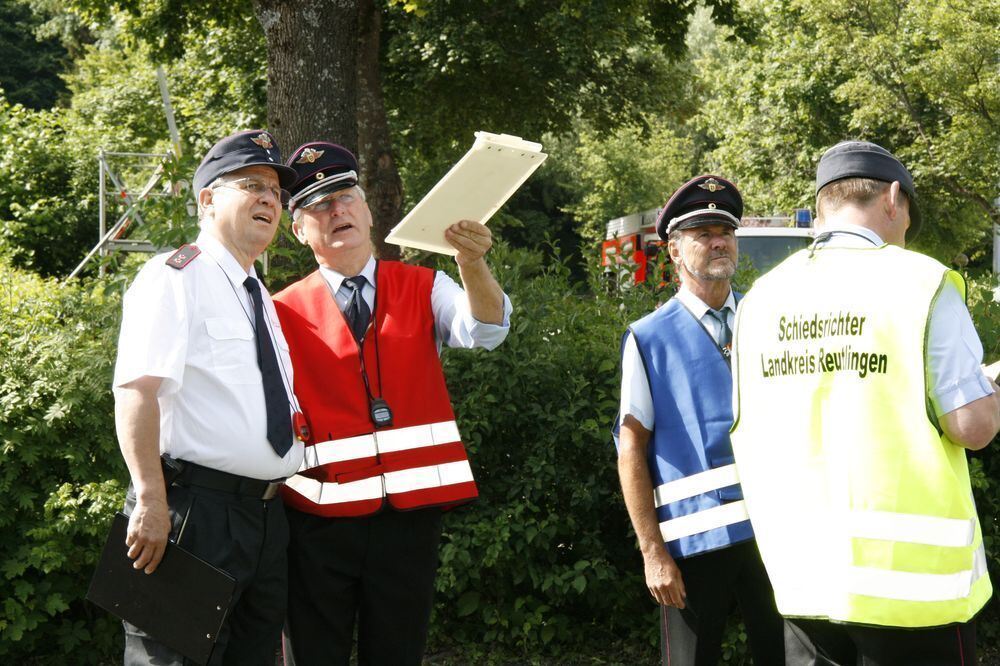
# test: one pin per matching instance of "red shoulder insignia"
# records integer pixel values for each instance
(183, 256)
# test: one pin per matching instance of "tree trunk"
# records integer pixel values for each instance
(311, 90)
(379, 173)
(311, 70)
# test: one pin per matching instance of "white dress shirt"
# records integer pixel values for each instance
(193, 328)
(636, 398)
(954, 351)
(454, 324)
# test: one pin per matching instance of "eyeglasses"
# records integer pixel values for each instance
(343, 198)
(256, 187)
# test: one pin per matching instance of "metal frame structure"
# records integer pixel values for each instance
(111, 239)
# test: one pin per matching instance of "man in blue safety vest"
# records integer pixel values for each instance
(675, 460)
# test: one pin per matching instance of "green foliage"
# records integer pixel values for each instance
(29, 66)
(49, 201)
(545, 563)
(60, 472)
(530, 68)
(916, 77)
(546, 558)
(625, 171)
(985, 465)
(160, 24)
(39, 226)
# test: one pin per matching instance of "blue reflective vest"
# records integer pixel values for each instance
(698, 498)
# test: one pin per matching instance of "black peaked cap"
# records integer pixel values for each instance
(702, 200)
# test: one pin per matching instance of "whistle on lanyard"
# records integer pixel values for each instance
(380, 413)
(300, 426)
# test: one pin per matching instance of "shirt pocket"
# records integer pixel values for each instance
(234, 352)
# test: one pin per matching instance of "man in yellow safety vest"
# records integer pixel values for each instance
(857, 388)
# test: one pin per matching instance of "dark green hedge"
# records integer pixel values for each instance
(60, 472)
(543, 566)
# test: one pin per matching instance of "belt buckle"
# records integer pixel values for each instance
(272, 490)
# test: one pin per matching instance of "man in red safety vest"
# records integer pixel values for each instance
(384, 454)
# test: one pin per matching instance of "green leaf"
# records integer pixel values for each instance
(468, 603)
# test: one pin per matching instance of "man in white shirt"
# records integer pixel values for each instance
(675, 460)
(203, 378)
(385, 454)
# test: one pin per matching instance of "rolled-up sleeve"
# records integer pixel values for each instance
(454, 324)
(954, 355)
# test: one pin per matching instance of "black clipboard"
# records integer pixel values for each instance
(182, 604)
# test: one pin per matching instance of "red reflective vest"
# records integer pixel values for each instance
(349, 467)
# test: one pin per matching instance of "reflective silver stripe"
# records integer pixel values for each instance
(402, 481)
(908, 586)
(696, 484)
(432, 476)
(318, 492)
(704, 211)
(388, 441)
(912, 528)
(415, 437)
(338, 450)
(702, 521)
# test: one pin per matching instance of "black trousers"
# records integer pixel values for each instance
(714, 582)
(822, 643)
(248, 539)
(378, 570)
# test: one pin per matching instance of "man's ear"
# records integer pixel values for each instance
(205, 196)
(674, 249)
(892, 200)
(299, 231)
(897, 198)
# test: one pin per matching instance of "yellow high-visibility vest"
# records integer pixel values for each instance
(862, 508)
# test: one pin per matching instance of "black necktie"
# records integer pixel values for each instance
(279, 420)
(725, 338)
(357, 311)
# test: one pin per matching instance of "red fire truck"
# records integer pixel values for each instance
(632, 252)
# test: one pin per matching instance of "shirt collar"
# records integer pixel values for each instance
(698, 306)
(849, 240)
(334, 278)
(214, 248)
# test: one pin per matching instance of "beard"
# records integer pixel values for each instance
(713, 270)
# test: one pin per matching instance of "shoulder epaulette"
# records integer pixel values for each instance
(183, 256)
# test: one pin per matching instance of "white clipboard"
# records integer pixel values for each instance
(475, 188)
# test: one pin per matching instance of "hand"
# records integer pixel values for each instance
(472, 240)
(148, 529)
(663, 579)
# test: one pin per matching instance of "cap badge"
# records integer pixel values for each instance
(712, 185)
(263, 140)
(309, 156)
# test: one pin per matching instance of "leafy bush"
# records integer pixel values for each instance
(546, 559)
(60, 472)
(985, 464)
(543, 568)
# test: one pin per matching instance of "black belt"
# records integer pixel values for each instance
(192, 474)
